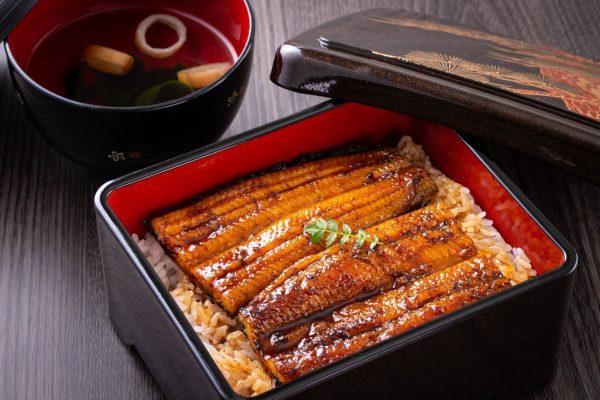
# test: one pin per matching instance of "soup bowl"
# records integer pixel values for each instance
(112, 139)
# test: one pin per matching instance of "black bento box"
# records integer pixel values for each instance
(500, 347)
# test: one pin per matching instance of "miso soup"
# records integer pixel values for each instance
(58, 64)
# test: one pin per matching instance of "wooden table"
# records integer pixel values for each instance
(56, 341)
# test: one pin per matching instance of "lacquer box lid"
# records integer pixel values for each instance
(539, 100)
(11, 12)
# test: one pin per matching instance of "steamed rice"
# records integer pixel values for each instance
(228, 345)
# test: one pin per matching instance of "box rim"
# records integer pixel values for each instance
(200, 352)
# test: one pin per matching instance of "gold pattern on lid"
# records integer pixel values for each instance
(573, 79)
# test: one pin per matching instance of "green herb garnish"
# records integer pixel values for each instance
(319, 227)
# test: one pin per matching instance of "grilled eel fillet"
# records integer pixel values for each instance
(364, 324)
(170, 225)
(341, 278)
(243, 273)
(427, 217)
(200, 242)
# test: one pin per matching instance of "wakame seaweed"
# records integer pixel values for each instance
(136, 88)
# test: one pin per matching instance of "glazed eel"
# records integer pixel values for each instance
(304, 306)
(237, 275)
(171, 225)
(193, 236)
(234, 255)
(359, 325)
(413, 247)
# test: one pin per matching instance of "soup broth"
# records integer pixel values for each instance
(56, 62)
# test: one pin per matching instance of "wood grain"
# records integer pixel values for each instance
(56, 340)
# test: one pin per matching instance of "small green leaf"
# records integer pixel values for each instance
(319, 227)
(359, 242)
(346, 233)
(311, 229)
(321, 223)
(316, 238)
(331, 225)
(374, 242)
(361, 235)
(346, 230)
(344, 238)
(330, 239)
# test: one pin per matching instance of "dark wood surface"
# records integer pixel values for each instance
(56, 341)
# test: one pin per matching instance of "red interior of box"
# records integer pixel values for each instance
(347, 124)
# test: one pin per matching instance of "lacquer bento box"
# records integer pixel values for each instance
(500, 346)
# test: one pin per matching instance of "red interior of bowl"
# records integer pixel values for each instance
(347, 124)
(219, 29)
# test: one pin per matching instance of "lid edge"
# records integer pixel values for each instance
(339, 59)
(570, 143)
(11, 13)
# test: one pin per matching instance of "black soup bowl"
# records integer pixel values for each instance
(113, 139)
